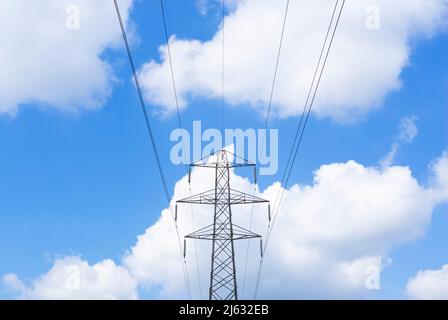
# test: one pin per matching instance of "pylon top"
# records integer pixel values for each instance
(221, 159)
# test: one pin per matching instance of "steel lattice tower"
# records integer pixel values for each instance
(222, 232)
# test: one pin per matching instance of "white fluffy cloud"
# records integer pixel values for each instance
(365, 63)
(439, 168)
(328, 238)
(433, 284)
(74, 278)
(429, 284)
(42, 61)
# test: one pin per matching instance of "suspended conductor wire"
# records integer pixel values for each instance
(288, 170)
(222, 64)
(170, 60)
(195, 247)
(173, 81)
(153, 143)
(268, 112)
(306, 102)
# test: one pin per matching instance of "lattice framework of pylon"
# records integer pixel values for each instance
(222, 232)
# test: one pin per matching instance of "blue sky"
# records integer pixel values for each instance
(85, 183)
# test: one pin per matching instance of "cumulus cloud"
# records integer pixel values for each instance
(74, 278)
(407, 132)
(439, 169)
(330, 239)
(433, 284)
(372, 46)
(327, 238)
(46, 59)
(429, 284)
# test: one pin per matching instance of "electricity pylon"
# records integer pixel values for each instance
(222, 232)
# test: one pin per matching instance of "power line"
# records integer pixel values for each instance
(153, 143)
(306, 102)
(276, 65)
(195, 247)
(308, 113)
(301, 133)
(173, 81)
(271, 95)
(170, 62)
(222, 65)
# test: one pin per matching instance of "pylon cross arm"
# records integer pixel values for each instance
(238, 233)
(232, 197)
